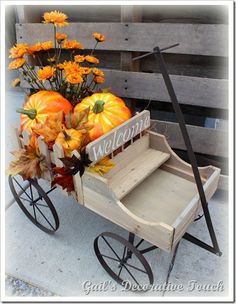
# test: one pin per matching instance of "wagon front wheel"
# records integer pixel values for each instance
(123, 262)
(35, 204)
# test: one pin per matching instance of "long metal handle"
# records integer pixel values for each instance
(191, 155)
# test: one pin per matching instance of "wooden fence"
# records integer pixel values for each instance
(198, 66)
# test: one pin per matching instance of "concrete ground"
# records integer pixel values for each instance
(62, 263)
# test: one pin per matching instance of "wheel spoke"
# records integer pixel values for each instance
(121, 266)
(127, 264)
(38, 204)
(35, 213)
(44, 217)
(131, 275)
(111, 248)
(21, 188)
(25, 199)
(120, 271)
(139, 243)
(31, 192)
(106, 256)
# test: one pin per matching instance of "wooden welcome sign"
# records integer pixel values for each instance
(111, 141)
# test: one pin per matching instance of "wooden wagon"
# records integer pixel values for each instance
(150, 192)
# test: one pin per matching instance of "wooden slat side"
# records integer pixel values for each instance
(58, 153)
(204, 140)
(156, 233)
(78, 183)
(223, 183)
(16, 138)
(195, 91)
(44, 151)
(206, 39)
(175, 163)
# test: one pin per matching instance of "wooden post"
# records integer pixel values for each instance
(129, 13)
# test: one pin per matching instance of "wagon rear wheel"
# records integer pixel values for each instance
(35, 204)
(123, 262)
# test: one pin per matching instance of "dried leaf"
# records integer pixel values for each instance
(102, 167)
(29, 162)
(63, 179)
(73, 165)
(51, 128)
(78, 121)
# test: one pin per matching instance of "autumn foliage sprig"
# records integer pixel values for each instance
(74, 79)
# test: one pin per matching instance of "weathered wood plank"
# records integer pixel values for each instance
(138, 169)
(111, 141)
(206, 39)
(204, 140)
(78, 183)
(44, 151)
(203, 92)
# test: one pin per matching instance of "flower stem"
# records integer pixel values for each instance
(94, 48)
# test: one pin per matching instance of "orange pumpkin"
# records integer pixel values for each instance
(39, 106)
(70, 140)
(107, 111)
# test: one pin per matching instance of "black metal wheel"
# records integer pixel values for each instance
(35, 204)
(123, 262)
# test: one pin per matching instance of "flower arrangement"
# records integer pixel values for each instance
(73, 79)
(65, 105)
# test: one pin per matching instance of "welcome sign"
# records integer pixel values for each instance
(111, 141)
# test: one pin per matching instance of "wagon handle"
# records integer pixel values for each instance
(180, 118)
(153, 52)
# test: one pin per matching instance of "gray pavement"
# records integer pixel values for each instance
(60, 264)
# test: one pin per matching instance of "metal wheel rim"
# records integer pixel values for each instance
(47, 200)
(128, 245)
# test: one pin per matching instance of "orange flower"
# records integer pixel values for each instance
(98, 72)
(60, 66)
(99, 37)
(16, 64)
(71, 67)
(99, 79)
(91, 59)
(18, 50)
(55, 17)
(46, 73)
(47, 45)
(15, 82)
(72, 44)
(60, 36)
(34, 48)
(79, 58)
(74, 78)
(85, 70)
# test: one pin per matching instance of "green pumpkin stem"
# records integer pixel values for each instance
(98, 106)
(32, 113)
